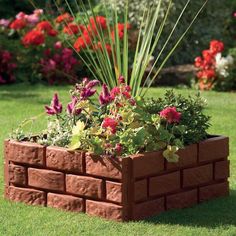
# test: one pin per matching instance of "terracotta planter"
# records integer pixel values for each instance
(130, 188)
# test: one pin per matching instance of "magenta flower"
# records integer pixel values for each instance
(105, 96)
(58, 45)
(56, 106)
(86, 89)
(92, 84)
(121, 79)
(71, 107)
(171, 115)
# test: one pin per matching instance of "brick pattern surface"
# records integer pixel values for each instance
(131, 188)
(84, 186)
(65, 202)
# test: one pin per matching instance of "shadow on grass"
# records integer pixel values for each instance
(17, 95)
(212, 214)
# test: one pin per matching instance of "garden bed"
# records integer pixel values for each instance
(122, 189)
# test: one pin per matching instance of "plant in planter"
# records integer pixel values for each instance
(112, 153)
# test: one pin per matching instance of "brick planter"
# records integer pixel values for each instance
(122, 189)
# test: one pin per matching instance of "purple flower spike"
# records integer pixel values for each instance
(56, 106)
(105, 96)
(92, 84)
(71, 107)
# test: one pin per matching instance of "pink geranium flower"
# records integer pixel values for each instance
(171, 115)
(110, 124)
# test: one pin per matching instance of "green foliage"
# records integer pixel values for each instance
(194, 123)
(215, 22)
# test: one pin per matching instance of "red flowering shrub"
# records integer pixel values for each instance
(46, 52)
(7, 67)
(206, 65)
(90, 32)
(73, 28)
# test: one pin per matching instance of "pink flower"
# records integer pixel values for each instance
(171, 115)
(71, 107)
(58, 45)
(56, 106)
(105, 96)
(110, 124)
(118, 148)
(21, 15)
(38, 12)
(32, 19)
(4, 22)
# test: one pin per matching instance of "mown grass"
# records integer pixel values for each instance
(217, 217)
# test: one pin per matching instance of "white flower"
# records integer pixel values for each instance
(223, 64)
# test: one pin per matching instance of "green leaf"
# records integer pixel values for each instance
(170, 154)
(75, 143)
(80, 126)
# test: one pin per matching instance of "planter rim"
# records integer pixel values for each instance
(134, 156)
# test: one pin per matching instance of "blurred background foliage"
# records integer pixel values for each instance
(215, 22)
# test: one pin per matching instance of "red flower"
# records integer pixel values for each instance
(44, 26)
(18, 24)
(33, 37)
(205, 85)
(52, 33)
(110, 124)
(115, 92)
(100, 21)
(216, 46)
(198, 62)
(120, 28)
(120, 35)
(171, 115)
(206, 74)
(66, 17)
(99, 46)
(82, 42)
(125, 91)
(72, 28)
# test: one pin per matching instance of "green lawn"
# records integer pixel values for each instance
(217, 217)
